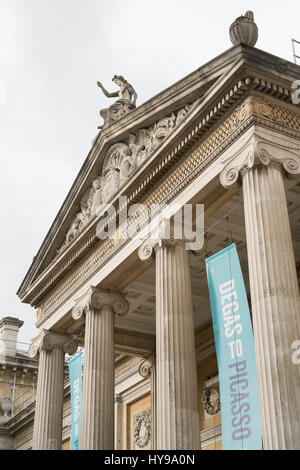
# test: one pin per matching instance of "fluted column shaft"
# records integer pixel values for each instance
(261, 165)
(47, 430)
(176, 372)
(97, 421)
(98, 381)
(275, 304)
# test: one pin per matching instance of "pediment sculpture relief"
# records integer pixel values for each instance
(121, 162)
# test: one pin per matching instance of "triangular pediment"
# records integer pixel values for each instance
(126, 148)
(121, 162)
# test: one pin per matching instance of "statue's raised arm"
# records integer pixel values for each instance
(126, 102)
(107, 94)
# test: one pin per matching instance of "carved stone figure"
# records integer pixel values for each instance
(6, 406)
(74, 230)
(127, 168)
(96, 197)
(126, 102)
(85, 214)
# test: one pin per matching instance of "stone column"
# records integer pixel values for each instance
(148, 369)
(275, 301)
(51, 347)
(177, 414)
(97, 423)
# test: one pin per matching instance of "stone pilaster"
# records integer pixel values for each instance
(118, 422)
(97, 423)
(51, 347)
(273, 282)
(176, 373)
(148, 369)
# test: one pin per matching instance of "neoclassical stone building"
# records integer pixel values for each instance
(226, 136)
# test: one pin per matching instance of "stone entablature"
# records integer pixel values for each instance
(208, 82)
(252, 110)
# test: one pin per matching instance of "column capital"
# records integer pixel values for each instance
(118, 398)
(260, 151)
(47, 341)
(146, 367)
(150, 246)
(97, 299)
(165, 236)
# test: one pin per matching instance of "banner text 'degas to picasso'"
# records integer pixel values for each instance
(240, 413)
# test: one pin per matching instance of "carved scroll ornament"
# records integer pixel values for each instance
(48, 340)
(261, 152)
(97, 299)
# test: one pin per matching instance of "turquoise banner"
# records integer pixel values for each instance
(240, 412)
(75, 374)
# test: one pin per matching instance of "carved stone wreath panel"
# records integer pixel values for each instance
(211, 400)
(142, 429)
(252, 108)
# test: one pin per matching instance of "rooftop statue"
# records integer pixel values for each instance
(126, 102)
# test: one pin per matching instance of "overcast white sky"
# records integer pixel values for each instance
(52, 52)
